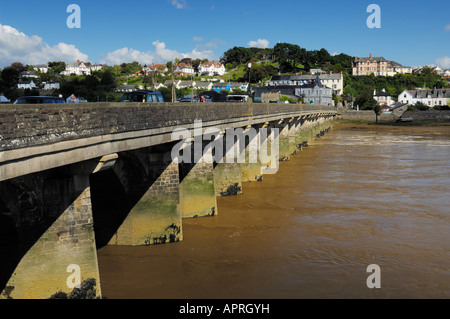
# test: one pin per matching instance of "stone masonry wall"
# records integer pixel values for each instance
(30, 125)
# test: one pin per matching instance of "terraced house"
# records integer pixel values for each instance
(435, 97)
(335, 81)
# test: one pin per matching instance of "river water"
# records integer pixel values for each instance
(356, 197)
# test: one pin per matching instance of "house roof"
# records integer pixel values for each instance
(27, 73)
(307, 77)
(209, 64)
(382, 93)
(186, 83)
(222, 84)
(184, 66)
(236, 85)
(203, 84)
(435, 93)
(169, 82)
(374, 58)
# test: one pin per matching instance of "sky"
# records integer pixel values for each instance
(412, 32)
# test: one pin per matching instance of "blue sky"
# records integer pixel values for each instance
(154, 31)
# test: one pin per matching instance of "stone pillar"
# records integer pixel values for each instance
(294, 129)
(197, 189)
(64, 250)
(251, 168)
(154, 217)
(284, 140)
(227, 174)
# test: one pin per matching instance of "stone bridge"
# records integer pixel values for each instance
(77, 177)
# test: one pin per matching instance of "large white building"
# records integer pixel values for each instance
(379, 66)
(184, 69)
(211, 69)
(435, 97)
(77, 68)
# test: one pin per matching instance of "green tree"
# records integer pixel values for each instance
(57, 67)
(377, 110)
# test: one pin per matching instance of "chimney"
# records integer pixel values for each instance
(371, 55)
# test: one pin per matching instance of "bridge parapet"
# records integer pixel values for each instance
(31, 125)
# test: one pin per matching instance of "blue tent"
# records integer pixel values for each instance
(3, 99)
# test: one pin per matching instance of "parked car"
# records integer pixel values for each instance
(237, 98)
(39, 100)
(143, 96)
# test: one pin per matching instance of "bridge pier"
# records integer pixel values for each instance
(153, 198)
(197, 189)
(227, 173)
(285, 151)
(55, 234)
(251, 168)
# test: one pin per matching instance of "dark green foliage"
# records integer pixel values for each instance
(85, 291)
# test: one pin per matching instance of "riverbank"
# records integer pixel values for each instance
(418, 117)
(415, 126)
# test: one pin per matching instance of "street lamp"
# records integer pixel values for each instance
(249, 83)
(145, 77)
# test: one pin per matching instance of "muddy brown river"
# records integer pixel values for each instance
(356, 197)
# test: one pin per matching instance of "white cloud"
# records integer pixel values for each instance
(179, 4)
(160, 55)
(15, 46)
(447, 27)
(198, 39)
(260, 43)
(444, 62)
(334, 53)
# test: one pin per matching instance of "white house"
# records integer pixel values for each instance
(383, 98)
(27, 85)
(28, 74)
(184, 69)
(43, 68)
(335, 81)
(51, 86)
(77, 68)
(239, 86)
(202, 85)
(211, 69)
(431, 98)
(315, 93)
(97, 67)
(170, 83)
(186, 84)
